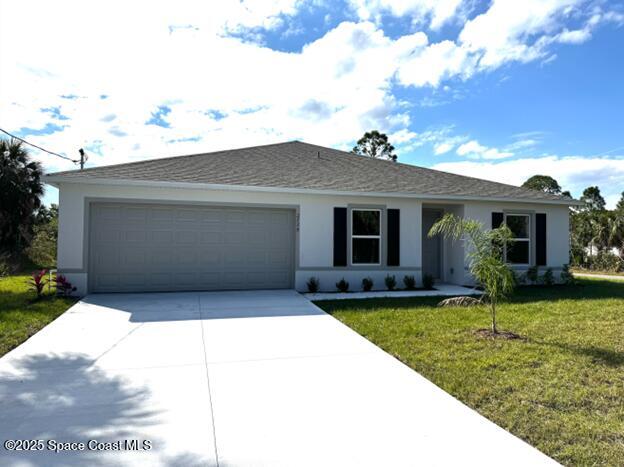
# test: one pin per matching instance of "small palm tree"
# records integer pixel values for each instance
(485, 253)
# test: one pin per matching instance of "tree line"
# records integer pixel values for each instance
(596, 233)
(28, 229)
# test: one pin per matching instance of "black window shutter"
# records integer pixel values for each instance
(394, 237)
(540, 239)
(497, 219)
(340, 236)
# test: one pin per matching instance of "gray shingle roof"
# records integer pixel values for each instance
(297, 165)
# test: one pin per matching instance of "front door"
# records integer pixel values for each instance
(431, 246)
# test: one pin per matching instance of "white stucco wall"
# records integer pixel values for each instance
(315, 253)
(557, 228)
(315, 236)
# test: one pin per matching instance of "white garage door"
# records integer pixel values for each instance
(149, 247)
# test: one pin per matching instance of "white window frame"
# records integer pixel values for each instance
(378, 237)
(520, 239)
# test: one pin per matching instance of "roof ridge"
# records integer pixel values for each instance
(293, 164)
(182, 156)
(434, 171)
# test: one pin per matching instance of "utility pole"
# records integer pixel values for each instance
(83, 159)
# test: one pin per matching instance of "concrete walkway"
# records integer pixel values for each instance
(441, 290)
(600, 276)
(231, 379)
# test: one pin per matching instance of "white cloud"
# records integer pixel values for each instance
(511, 30)
(435, 63)
(474, 150)
(574, 173)
(224, 91)
(438, 12)
(577, 36)
(442, 148)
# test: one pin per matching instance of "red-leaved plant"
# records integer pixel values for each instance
(38, 282)
(63, 286)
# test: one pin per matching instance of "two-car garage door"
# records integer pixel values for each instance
(154, 247)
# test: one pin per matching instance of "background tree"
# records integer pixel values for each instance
(20, 192)
(593, 199)
(485, 253)
(619, 207)
(544, 183)
(42, 249)
(376, 145)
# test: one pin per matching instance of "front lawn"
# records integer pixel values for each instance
(21, 315)
(561, 389)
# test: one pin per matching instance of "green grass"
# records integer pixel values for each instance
(594, 271)
(21, 315)
(561, 389)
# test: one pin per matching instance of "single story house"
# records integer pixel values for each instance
(274, 216)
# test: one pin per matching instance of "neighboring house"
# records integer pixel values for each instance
(273, 216)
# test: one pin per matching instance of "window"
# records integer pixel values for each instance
(518, 250)
(365, 236)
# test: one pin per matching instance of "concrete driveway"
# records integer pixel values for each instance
(230, 379)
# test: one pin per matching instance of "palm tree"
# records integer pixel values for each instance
(20, 192)
(485, 254)
(615, 229)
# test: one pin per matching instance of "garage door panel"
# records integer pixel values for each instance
(210, 280)
(279, 258)
(210, 256)
(106, 280)
(211, 238)
(161, 257)
(188, 215)
(135, 236)
(133, 258)
(160, 280)
(188, 279)
(108, 213)
(186, 256)
(132, 214)
(134, 280)
(161, 214)
(162, 248)
(234, 237)
(186, 237)
(107, 260)
(160, 236)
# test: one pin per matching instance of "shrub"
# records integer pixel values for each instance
(410, 282)
(4, 268)
(38, 282)
(606, 261)
(427, 281)
(342, 285)
(313, 284)
(63, 286)
(5, 265)
(548, 277)
(390, 282)
(519, 278)
(532, 275)
(566, 276)
(367, 284)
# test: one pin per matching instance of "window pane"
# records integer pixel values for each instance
(518, 252)
(366, 222)
(519, 226)
(365, 251)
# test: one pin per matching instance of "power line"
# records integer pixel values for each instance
(40, 148)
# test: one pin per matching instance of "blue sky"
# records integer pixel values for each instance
(500, 89)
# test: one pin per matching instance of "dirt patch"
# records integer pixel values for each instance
(488, 334)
